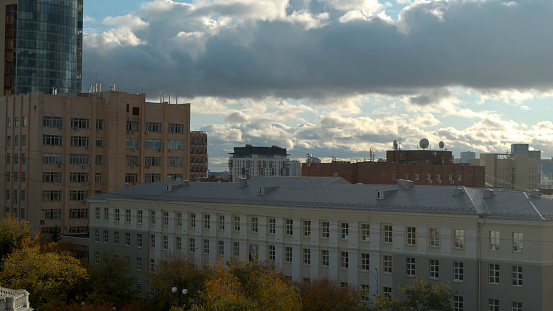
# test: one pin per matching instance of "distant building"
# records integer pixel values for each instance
(250, 161)
(295, 168)
(41, 46)
(14, 300)
(465, 156)
(198, 154)
(423, 167)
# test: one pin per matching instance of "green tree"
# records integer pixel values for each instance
(326, 295)
(110, 282)
(13, 232)
(52, 279)
(420, 294)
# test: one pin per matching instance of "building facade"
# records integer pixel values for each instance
(198, 154)
(493, 246)
(60, 149)
(251, 161)
(41, 44)
(511, 171)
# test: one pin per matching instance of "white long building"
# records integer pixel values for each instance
(494, 246)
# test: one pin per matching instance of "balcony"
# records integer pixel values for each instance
(14, 300)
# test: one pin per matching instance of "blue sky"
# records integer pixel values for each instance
(335, 77)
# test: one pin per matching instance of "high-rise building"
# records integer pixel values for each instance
(198, 154)
(57, 150)
(41, 44)
(250, 161)
(466, 155)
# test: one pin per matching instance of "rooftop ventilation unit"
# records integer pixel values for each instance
(242, 183)
(488, 193)
(457, 192)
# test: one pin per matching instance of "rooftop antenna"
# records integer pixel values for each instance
(442, 145)
(371, 154)
(424, 143)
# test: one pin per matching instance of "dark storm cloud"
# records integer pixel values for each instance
(482, 45)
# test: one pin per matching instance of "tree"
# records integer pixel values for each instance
(13, 232)
(420, 294)
(175, 271)
(326, 295)
(52, 279)
(110, 282)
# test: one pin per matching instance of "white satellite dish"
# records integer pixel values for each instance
(424, 143)
(441, 145)
(395, 144)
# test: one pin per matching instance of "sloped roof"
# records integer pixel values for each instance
(335, 192)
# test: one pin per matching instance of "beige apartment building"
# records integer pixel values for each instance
(493, 246)
(58, 150)
(516, 171)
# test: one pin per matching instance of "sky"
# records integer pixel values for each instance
(335, 78)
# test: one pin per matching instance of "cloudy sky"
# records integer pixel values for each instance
(335, 77)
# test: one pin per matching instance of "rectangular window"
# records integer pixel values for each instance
(516, 306)
(78, 195)
(139, 216)
(51, 177)
(152, 161)
(306, 228)
(288, 254)
(459, 238)
(365, 292)
(272, 253)
(411, 236)
(325, 229)
(458, 303)
(98, 178)
(434, 268)
(131, 160)
(154, 127)
(97, 235)
(152, 265)
(517, 275)
(434, 237)
(177, 128)
(152, 241)
(165, 242)
(51, 195)
(518, 238)
(131, 178)
(206, 246)
(49, 140)
(494, 240)
(80, 141)
(236, 248)
(387, 264)
(127, 239)
(325, 258)
(365, 262)
(410, 266)
(116, 237)
(106, 236)
(97, 257)
(152, 217)
(289, 227)
(388, 238)
(221, 248)
(237, 223)
(178, 242)
(79, 159)
(221, 222)
(493, 274)
(493, 304)
(207, 221)
(132, 143)
(152, 177)
(175, 161)
(77, 177)
(272, 226)
(175, 144)
(365, 233)
(344, 230)
(152, 144)
(458, 271)
(192, 245)
(138, 263)
(139, 240)
(128, 216)
(165, 218)
(48, 121)
(132, 126)
(179, 219)
(192, 220)
(306, 256)
(344, 260)
(82, 213)
(254, 224)
(80, 123)
(99, 124)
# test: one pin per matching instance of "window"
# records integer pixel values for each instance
(254, 224)
(306, 256)
(139, 217)
(517, 275)
(493, 274)
(152, 161)
(97, 235)
(221, 248)
(99, 142)
(175, 144)
(128, 216)
(236, 248)
(434, 237)
(178, 242)
(206, 246)
(387, 292)
(516, 306)
(179, 219)
(165, 242)
(80, 123)
(365, 292)
(49, 122)
(98, 178)
(410, 266)
(387, 264)
(16, 140)
(175, 161)
(272, 253)
(153, 241)
(388, 234)
(132, 126)
(106, 236)
(306, 228)
(517, 242)
(49, 140)
(132, 143)
(99, 124)
(457, 303)
(51, 195)
(127, 239)
(192, 220)
(23, 160)
(77, 195)
(458, 271)
(493, 304)
(434, 268)
(289, 227)
(78, 159)
(131, 160)
(288, 254)
(152, 144)
(365, 232)
(365, 262)
(76, 177)
(325, 258)
(177, 128)
(138, 263)
(153, 127)
(97, 257)
(139, 240)
(237, 223)
(411, 236)
(80, 141)
(222, 222)
(131, 178)
(152, 265)
(8, 158)
(82, 213)
(23, 140)
(272, 226)
(459, 238)
(152, 177)
(207, 221)
(494, 240)
(192, 245)
(325, 229)
(152, 217)
(344, 260)
(345, 230)
(53, 177)
(9, 140)
(116, 237)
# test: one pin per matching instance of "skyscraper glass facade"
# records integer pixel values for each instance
(48, 46)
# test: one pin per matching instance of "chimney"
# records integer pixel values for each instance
(242, 182)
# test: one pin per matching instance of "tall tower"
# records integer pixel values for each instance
(41, 42)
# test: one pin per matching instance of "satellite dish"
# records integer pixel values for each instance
(423, 143)
(395, 144)
(441, 145)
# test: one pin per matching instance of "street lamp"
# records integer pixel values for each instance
(375, 276)
(184, 292)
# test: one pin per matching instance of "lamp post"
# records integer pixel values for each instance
(184, 291)
(375, 276)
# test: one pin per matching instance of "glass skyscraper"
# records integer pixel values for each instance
(42, 46)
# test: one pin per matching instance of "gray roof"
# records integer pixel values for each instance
(335, 192)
